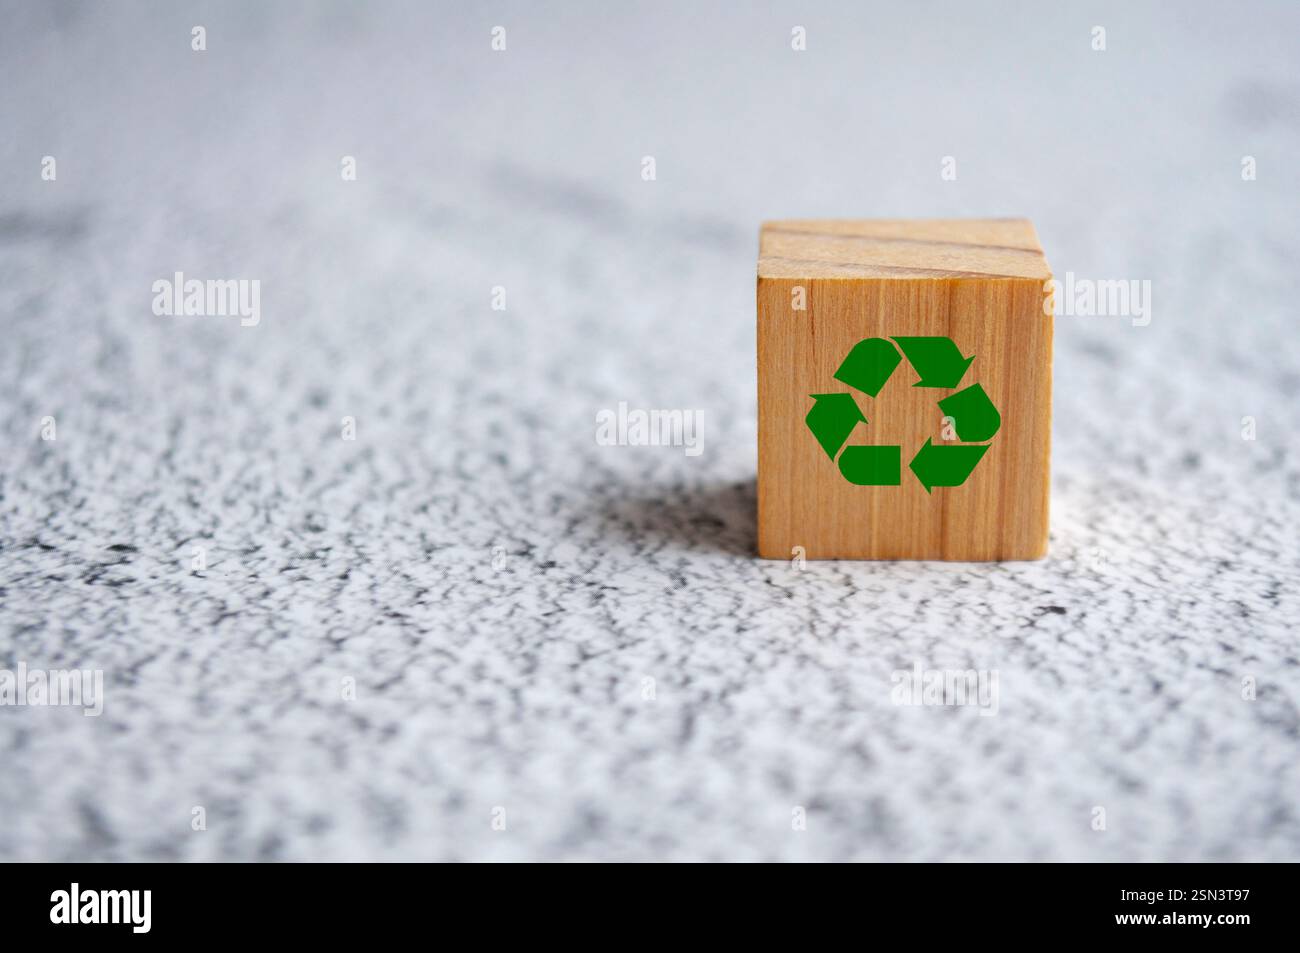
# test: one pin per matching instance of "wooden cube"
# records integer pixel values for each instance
(904, 390)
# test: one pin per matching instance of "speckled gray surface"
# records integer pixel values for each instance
(500, 586)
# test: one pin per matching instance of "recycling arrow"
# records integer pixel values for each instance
(867, 367)
(832, 419)
(936, 359)
(940, 465)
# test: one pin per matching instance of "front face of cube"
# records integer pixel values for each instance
(903, 418)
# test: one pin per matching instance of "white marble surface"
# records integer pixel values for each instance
(516, 681)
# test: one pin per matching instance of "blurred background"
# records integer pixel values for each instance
(561, 650)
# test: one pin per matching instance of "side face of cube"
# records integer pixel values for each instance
(903, 416)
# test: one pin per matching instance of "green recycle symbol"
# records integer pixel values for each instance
(867, 368)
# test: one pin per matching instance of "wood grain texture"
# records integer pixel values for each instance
(980, 283)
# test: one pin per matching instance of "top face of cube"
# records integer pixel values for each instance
(902, 249)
